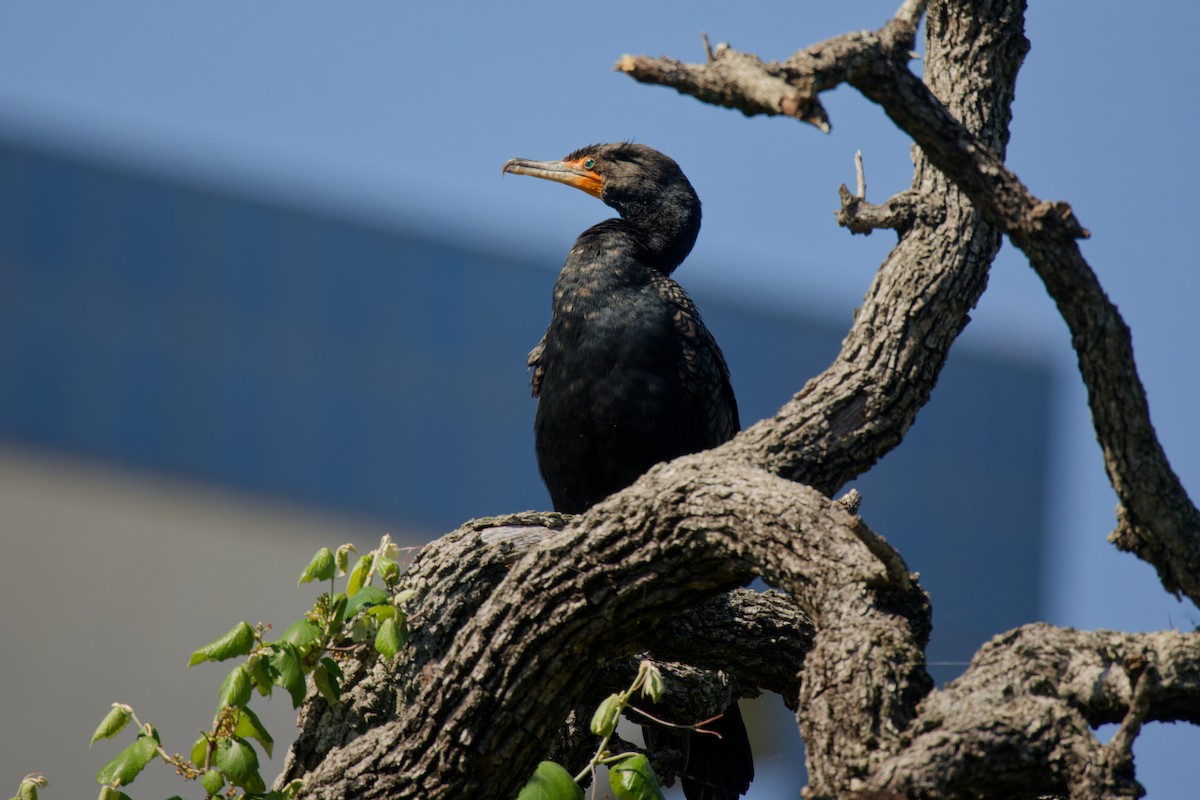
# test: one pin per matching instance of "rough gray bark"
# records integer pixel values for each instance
(519, 618)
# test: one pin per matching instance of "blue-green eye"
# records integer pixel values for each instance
(591, 162)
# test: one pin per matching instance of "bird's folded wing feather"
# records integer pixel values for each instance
(537, 370)
(702, 369)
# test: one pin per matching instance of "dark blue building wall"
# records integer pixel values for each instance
(381, 371)
(195, 332)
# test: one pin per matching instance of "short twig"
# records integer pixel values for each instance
(850, 501)
(893, 563)
(862, 179)
(1121, 745)
(696, 728)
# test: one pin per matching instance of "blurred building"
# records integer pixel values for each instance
(199, 388)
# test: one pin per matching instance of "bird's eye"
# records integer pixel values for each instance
(591, 162)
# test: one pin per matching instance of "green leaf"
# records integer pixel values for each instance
(337, 615)
(284, 665)
(321, 568)
(387, 641)
(633, 779)
(654, 686)
(304, 633)
(116, 719)
(213, 781)
(28, 789)
(237, 759)
(238, 642)
(255, 786)
(367, 596)
(551, 782)
(249, 726)
(343, 557)
(235, 689)
(260, 672)
(292, 789)
(333, 667)
(200, 751)
(387, 548)
(129, 762)
(404, 598)
(109, 793)
(363, 629)
(388, 569)
(327, 684)
(383, 612)
(358, 575)
(604, 721)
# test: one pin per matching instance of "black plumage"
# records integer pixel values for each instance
(627, 375)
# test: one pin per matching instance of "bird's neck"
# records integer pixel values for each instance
(608, 257)
(666, 228)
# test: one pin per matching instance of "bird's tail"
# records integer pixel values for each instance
(719, 769)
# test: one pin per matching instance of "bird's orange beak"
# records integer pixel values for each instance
(572, 173)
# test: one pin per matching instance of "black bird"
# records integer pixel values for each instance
(627, 375)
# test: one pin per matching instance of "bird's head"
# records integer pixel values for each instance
(645, 187)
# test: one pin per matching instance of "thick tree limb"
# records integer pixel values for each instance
(759, 639)
(1029, 700)
(862, 405)
(1156, 519)
(1016, 722)
(756, 640)
(525, 654)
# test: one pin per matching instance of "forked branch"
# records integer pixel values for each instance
(1156, 519)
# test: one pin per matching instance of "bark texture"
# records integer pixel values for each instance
(521, 621)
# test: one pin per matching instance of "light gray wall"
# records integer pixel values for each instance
(111, 578)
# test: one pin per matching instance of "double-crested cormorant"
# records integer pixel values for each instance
(627, 375)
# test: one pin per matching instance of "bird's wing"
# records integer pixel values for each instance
(537, 369)
(703, 369)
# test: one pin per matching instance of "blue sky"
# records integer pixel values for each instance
(405, 112)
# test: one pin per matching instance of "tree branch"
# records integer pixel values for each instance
(732, 79)
(743, 82)
(899, 212)
(1018, 721)
(760, 638)
(686, 531)
(848, 417)
(1156, 519)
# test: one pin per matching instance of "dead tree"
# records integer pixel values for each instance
(520, 620)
